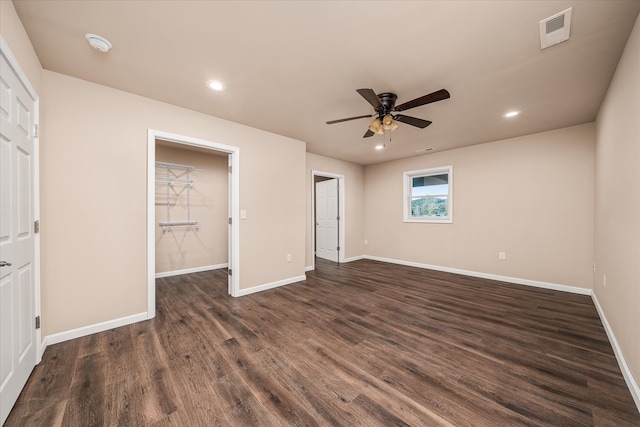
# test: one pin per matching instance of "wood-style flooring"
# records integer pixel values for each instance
(359, 344)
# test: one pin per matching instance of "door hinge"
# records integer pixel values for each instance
(230, 169)
(338, 248)
(230, 272)
(36, 226)
(230, 221)
(338, 218)
(36, 130)
(37, 322)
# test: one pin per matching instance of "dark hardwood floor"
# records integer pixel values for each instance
(358, 344)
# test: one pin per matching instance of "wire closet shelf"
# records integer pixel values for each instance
(173, 174)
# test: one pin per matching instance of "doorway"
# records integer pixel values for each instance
(186, 142)
(20, 335)
(327, 219)
(192, 212)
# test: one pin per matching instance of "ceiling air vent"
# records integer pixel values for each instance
(555, 29)
(424, 150)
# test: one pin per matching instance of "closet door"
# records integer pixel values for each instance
(327, 219)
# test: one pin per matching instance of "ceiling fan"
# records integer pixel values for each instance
(385, 106)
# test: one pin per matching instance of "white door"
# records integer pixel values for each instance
(327, 219)
(17, 247)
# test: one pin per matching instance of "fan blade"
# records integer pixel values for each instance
(413, 121)
(438, 95)
(368, 133)
(347, 119)
(371, 98)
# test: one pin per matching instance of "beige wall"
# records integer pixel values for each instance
(617, 204)
(16, 37)
(531, 197)
(94, 156)
(354, 194)
(181, 248)
(93, 193)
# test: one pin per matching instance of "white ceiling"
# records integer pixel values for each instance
(290, 66)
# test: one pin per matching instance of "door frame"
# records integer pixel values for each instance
(35, 202)
(341, 210)
(234, 203)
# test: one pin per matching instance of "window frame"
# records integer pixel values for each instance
(407, 194)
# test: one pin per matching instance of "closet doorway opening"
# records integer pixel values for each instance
(327, 219)
(192, 209)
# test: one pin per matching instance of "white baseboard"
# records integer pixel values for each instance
(190, 270)
(92, 329)
(516, 280)
(43, 347)
(622, 362)
(345, 260)
(123, 321)
(271, 285)
(634, 389)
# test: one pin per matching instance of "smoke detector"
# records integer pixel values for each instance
(98, 42)
(555, 29)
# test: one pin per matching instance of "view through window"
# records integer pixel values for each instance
(428, 195)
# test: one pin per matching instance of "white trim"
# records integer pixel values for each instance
(632, 384)
(22, 76)
(92, 329)
(406, 195)
(151, 225)
(271, 285)
(43, 347)
(191, 270)
(516, 280)
(341, 213)
(345, 260)
(36, 217)
(13, 61)
(634, 388)
(234, 206)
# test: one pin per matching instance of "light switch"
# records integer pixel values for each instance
(243, 214)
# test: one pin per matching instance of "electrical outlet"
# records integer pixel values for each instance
(502, 256)
(604, 280)
(594, 267)
(288, 257)
(366, 241)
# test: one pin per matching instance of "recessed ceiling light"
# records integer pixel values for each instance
(511, 114)
(215, 85)
(98, 42)
(379, 146)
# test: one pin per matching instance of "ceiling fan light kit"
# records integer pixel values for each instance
(384, 106)
(388, 123)
(376, 126)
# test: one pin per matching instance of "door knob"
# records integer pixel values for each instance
(5, 264)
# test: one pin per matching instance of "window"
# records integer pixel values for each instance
(428, 195)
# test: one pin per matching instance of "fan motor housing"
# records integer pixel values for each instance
(388, 101)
